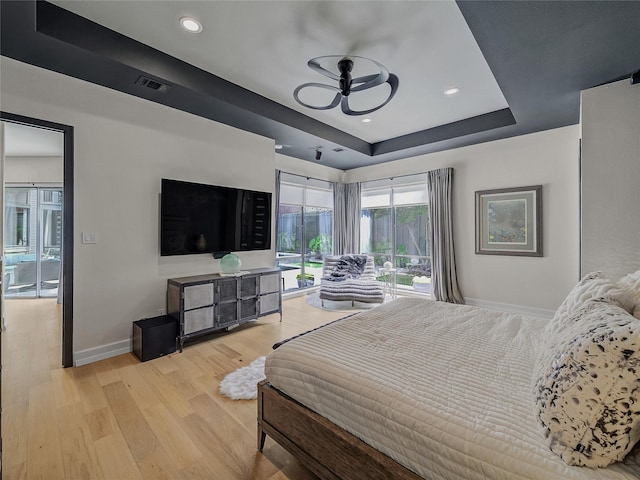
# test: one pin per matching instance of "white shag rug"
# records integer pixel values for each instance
(243, 383)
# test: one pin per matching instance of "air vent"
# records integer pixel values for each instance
(338, 149)
(152, 84)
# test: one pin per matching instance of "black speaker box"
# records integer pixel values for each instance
(154, 337)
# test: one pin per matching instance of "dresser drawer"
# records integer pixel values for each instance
(270, 283)
(198, 319)
(196, 296)
(269, 303)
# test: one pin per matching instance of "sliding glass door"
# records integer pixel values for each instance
(393, 227)
(305, 230)
(32, 241)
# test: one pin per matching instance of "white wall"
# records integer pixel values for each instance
(123, 147)
(43, 170)
(611, 179)
(308, 169)
(549, 158)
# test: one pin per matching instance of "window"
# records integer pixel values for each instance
(32, 241)
(393, 225)
(17, 214)
(305, 229)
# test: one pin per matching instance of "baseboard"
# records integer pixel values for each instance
(407, 292)
(300, 293)
(90, 355)
(506, 307)
(502, 307)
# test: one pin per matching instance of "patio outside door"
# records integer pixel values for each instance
(32, 241)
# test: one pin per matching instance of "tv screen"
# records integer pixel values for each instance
(199, 218)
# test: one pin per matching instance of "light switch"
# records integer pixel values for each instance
(89, 237)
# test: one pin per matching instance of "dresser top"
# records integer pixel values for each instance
(217, 276)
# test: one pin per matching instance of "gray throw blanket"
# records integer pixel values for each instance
(349, 266)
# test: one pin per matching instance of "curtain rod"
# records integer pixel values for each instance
(362, 181)
(307, 177)
(394, 177)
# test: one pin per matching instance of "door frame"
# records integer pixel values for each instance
(67, 226)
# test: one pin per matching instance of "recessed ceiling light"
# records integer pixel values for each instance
(278, 146)
(190, 24)
(366, 120)
(451, 91)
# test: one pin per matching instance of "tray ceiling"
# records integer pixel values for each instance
(519, 65)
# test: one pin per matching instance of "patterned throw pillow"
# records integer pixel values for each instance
(588, 394)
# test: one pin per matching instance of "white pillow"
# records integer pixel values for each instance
(587, 394)
(592, 285)
(631, 282)
(583, 291)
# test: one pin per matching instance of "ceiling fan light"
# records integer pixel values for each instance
(190, 24)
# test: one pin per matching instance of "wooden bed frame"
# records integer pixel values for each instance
(326, 449)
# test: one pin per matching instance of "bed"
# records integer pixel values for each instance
(421, 389)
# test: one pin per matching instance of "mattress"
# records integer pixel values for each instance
(443, 389)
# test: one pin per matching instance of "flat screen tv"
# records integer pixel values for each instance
(199, 218)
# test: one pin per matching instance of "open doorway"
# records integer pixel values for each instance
(38, 215)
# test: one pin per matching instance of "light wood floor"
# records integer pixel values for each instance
(120, 419)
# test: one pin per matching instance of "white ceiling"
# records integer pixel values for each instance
(24, 141)
(427, 44)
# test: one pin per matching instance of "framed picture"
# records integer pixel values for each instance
(509, 221)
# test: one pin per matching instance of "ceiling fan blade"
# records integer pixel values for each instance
(334, 102)
(393, 83)
(314, 64)
(368, 81)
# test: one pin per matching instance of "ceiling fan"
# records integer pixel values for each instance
(346, 84)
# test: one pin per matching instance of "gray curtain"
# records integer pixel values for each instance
(444, 281)
(346, 218)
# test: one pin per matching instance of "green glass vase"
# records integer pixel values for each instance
(230, 263)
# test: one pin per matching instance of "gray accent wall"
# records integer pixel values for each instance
(610, 237)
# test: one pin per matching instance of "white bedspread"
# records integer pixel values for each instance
(443, 389)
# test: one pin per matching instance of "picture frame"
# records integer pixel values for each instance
(509, 221)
